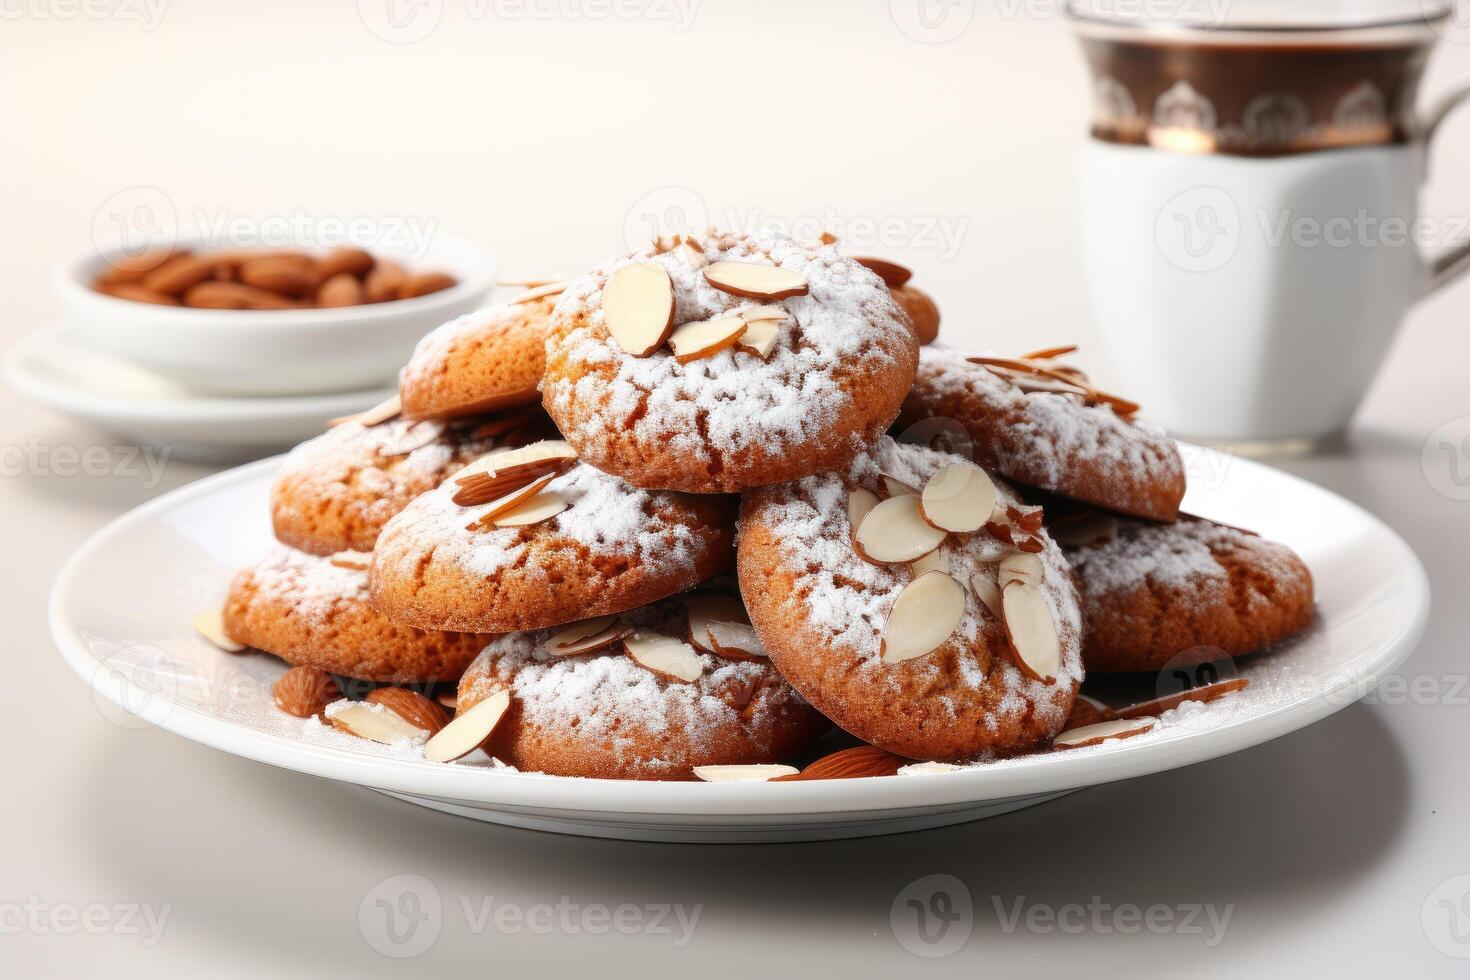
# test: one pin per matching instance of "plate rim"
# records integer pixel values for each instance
(610, 799)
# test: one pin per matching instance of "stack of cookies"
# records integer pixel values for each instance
(680, 517)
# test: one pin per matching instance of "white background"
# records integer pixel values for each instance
(543, 137)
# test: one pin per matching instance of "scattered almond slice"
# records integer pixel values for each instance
(756, 281)
(500, 473)
(742, 774)
(384, 411)
(923, 617)
(638, 304)
(928, 768)
(501, 460)
(935, 561)
(1032, 632)
(665, 656)
(411, 706)
(894, 487)
(1204, 695)
(892, 274)
(513, 501)
(1103, 731)
(895, 531)
(211, 626)
(1025, 568)
(693, 254)
(372, 721)
(1047, 353)
(358, 561)
(541, 507)
(988, 593)
(959, 498)
(760, 338)
(588, 636)
(469, 729)
(736, 641)
(541, 291)
(705, 338)
(707, 609)
(758, 314)
(860, 503)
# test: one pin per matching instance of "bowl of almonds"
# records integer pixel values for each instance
(270, 321)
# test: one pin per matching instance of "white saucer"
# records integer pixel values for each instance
(121, 610)
(50, 367)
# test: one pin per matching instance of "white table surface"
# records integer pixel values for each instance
(1323, 846)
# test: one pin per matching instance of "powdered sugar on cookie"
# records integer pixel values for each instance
(314, 588)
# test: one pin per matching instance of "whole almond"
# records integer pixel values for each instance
(353, 261)
(235, 296)
(384, 281)
(343, 289)
(134, 268)
(179, 273)
(138, 293)
(411, 706)
(855, 763)
(305, 691)
(281, 275)
(424, 283)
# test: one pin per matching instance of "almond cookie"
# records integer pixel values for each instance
(1050, 430)
(335, 492)
(1181, 594)
(442, 565)
(602, 713)
(958, 645)
(314, 611)
(714, 364)
(481, 362)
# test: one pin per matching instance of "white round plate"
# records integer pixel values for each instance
(121, 611)
(52, 368)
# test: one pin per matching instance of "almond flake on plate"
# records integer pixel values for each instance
(742, 774)
(469, 729)
(373, 721)
(928, 768)
(211, 626)
(1103, 731)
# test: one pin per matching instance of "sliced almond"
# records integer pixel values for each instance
(736, 641)
(894, 487)
(760, 338)
(539, 292)
(384, 411)
(1204, 695)
(411, 706)
(704, 338)
(987, 592)
(1047, 353)
(742, 774)
(1032, 631)
(923, 617)
(501, 460)
(928, 768)
(756, 281)
(449, 699)
(1026, 518)
(693, 254)
(513, 501)
(413, 438)
(665, 656)
(358, 561)
(860, 503)
(542, 507)
(505, 471)
(211, 626)
(374, 722)
(469, 729)
(1020, 568)
(959, 498)
(1103, 731)
(895, 531)
(706, 609)
(892, 274)
(758, 314)
(639, 306)
(585, 637)
(935, 561)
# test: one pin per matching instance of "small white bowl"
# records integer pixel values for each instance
(274, 352)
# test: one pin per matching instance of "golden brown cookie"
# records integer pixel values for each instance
(842, 358)
(1040, 433)
(481, 362)
(307, 610)
(335, 492)
(922, 311)
(1182, 594)
(823, 613)
(605, 715)
(614, 547)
